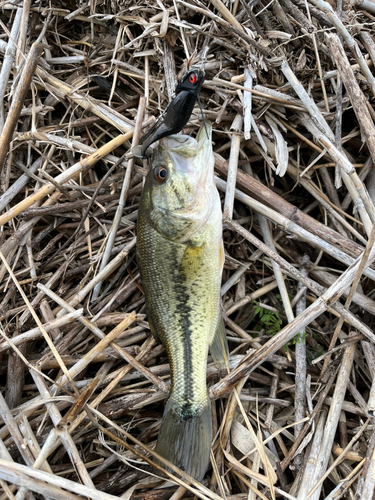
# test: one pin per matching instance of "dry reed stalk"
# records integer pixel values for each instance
(306, 281)
(228, 421)
(18, 185)
(310, 474)
(253, 296)
(47, 484)
(107, 270)
(355, 93)
(70, 144)
(106, 339)
(349, 174)
(71, 173)
(8, 61)
(349, 298)
(366, 488)
(112, 384)
(123, 197)
(34, 333)
(276, 269)
(8, 490)
(38, 322)
(335, 20)
(232, 166)
(18, 99)
(15, 432)
(323, 133)
(255, 189)
(289, 226)
(190, 483)
(331, 423)
(218, 4)
(301, 365)
(337, 217)
(89, 104)
(329, 297)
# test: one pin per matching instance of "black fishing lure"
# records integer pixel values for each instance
(176, 114)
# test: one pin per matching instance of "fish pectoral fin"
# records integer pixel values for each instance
(191, 261)
(185, 440)
(219, 346)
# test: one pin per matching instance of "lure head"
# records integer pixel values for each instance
(180, 189)
(177, 113)
(191, 81)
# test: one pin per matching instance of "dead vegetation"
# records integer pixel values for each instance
(290, 91)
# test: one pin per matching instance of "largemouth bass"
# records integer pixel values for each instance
(181, 257)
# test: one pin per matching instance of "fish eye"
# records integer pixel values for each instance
(193, 78)
(161, 174)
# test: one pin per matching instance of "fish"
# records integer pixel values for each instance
(176, 114)
(181, 256)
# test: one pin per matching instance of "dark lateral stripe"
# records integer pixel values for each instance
(183, 315)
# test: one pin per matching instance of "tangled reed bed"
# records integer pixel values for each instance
(289, 88)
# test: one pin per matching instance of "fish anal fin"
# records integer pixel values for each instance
(219, 346)
(185, 441)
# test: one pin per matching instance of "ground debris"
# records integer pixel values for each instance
(290, 91)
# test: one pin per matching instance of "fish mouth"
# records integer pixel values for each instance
(179, 150)
(184, 145)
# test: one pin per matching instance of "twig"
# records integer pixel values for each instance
(349, 40)
(70, 173)
(318, 485)
(106, 339)
(18, 99)
(356, 96)
(310, 474)
(10, 54)
(349, 298)
(232, 167)
(301, 368)
(288, 332)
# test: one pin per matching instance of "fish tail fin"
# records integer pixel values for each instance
(185, 439)
(219, 346)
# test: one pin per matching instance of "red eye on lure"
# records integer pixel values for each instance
(193, 78)
(161, 174)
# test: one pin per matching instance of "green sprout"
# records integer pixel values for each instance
(270, 320)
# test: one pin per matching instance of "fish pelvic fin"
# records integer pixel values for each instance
(185, 438)
(219, 346)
